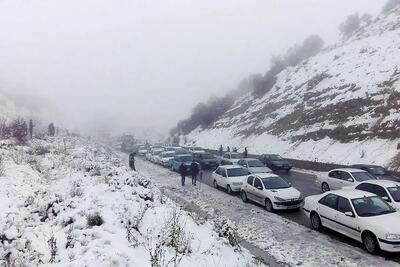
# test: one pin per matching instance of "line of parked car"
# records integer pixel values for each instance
(361, 202)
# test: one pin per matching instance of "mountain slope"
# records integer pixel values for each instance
(340, 106)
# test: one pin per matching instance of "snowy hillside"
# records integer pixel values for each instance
(341, 106)
(70, 202)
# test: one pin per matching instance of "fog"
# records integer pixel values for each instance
(127, 66)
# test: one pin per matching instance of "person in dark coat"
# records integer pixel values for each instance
(132, 161)
(228, 149)
(194, 169)
(221, 150)
(182, 171)
(245, 153)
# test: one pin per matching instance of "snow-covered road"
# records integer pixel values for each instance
(286, 241)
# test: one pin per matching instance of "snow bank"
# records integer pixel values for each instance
(75, 204)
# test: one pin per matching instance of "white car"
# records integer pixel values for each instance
(253, 165)
(230, 177)
(166, 157)
(271, 191)
(357, 214)
(386, 189)
(339, 178)
(233, 157)
(155, 155)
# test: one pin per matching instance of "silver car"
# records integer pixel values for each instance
(254, 165)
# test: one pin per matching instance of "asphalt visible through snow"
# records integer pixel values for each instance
(305, 183)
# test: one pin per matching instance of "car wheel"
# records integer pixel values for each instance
(268, 205)
(370, 243)
(229, 190)
(325, 187)
(215, 184)
(315, 221)
(243, 195)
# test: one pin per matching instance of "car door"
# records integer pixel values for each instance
(347, 224)
(346, 179)
(334, 180)
(217, 175)
(328, 210)
(258, 190)
(249, 187)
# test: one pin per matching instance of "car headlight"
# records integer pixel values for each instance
(279, 198)
(392, 236)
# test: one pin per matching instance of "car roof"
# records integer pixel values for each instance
(384, 183)
(265, 175)
(348, 170)
(183, 155)
(351, 193)
(234, 166)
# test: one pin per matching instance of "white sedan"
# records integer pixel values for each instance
(339, 178)
(166, 157)
(254, 165)
(386, 189)
(230, 177)
(271, 191)
(357, 214)
(233, 157)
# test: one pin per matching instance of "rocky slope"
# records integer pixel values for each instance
(340, 106)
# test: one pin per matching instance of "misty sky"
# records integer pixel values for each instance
(132, 65)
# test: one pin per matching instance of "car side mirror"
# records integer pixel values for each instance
(349, 214)
(290, 184)
(259, 188)
(386, 198)
(350, 180)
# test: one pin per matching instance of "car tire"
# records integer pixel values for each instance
(325, 187)
(229, 190)
(370, 243)
(216, 186)
(268, 205)
(315, 221)
(243, 196)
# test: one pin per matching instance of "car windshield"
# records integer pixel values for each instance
(207, 156)
(371, 206)
(377, 170)
(235, 156)
(168, 155)
(395, 193)
(255, 163)
(275, 157)
(185, 159)
(362, 176)
(275, 183)
(157, 153)
(237, 172)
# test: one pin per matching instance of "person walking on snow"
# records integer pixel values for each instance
(132, 161)
(228, 149)
(221, 150)
(182, 171)
(194, 168)
(245, 153)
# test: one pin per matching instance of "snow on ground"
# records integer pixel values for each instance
(72, 203)
(286, 241)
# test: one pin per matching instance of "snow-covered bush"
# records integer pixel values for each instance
(94, 219)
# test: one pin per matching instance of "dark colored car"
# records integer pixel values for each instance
(377, 171)
(275, 162)
(206, 160)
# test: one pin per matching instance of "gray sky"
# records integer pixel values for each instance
(144, 64)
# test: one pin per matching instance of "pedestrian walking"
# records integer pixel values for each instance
(245, 153)
(132, 161)
(182, 171)
(228, 149)
(235, 149)
(194, 169)
(221, 150)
